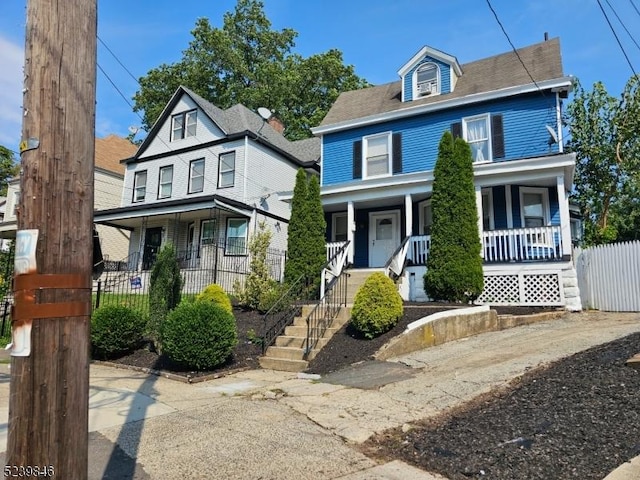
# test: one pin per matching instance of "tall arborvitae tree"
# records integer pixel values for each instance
(297, 231)
(454, 265)
(316, 231)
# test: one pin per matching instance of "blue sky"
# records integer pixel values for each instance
(376, 36)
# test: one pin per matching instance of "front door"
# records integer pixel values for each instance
(384, 236)
(152, 242)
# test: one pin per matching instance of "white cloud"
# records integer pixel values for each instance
(11, 77)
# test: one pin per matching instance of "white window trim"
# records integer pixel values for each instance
(191, 176)
(161, 183)
(487, 118)
(220, 171)
(137, 186)
(545, 203)
(334, 218)
(489, 193)
(416, 94)
(186, 121)
(421, 219)
(212, 240)
(365, 147)
(230, 250)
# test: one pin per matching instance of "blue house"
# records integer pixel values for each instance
(379, 148)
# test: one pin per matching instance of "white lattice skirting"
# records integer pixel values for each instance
(523, 288)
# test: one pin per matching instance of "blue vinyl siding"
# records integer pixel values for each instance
(445, 77)
(525, 135)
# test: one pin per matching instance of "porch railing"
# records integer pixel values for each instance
(333, 248)
(523, 244)
(395, 264)
(510, 245)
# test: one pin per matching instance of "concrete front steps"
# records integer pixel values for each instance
(356, 278)
(287, 353)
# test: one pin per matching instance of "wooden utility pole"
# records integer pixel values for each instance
(48, 405)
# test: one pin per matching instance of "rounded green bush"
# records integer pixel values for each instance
(215, 293)
(377, 306)
(116, 329)
(199, 335)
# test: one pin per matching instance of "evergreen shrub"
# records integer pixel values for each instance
(115, 330)
(199, 335)
(214, 293)
(165, 285)
(377, 306)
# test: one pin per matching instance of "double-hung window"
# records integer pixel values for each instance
(339, 230)
(165, 182)
(425, 217)
(535, 207)
(207, 232)
(139, 186)
(226, 169)
(377, 155)
(236, 236)
(477, 132)
(196, 176)
(183, 125)
(427, 80)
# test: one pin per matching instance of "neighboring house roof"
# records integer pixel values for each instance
(543, 62)
(110, 150)
(238, 120)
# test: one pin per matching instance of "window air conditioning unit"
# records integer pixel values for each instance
(425, 88)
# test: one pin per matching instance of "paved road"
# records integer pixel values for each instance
(266, 425)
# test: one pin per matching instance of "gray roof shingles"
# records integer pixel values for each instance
(543, 62)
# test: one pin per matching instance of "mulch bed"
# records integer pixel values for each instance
(575, 419)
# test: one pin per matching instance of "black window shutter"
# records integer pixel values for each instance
(497, 136)
(456, 129)
(357, 159)
(397, 152)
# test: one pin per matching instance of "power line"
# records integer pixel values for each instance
(118, 60)
(513, 46)
(617, 39)
(634, 7)
(623, 25)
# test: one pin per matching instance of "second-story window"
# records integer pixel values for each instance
(476, 132)
(377, 149)
(165, 182)
(183, 125)
(140, 186)
(196, 176)
(226, 169)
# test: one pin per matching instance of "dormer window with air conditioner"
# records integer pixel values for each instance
(427, 80)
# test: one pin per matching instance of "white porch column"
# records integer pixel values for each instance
(480, 226)
(565, 222)
(351, 230)
(408, 207)
(509, 204)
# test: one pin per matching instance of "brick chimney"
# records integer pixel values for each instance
(276, 124)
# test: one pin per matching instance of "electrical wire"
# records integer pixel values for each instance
(617, 39)
(623, 25)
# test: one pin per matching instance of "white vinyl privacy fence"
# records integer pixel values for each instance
(609, 276)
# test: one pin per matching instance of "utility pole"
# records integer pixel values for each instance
(48, 405)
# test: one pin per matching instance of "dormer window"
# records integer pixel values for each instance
(427, 80)
(183, 125)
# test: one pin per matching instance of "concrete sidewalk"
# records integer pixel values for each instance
(262, 424)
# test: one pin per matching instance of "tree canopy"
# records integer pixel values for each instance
(8, 169)
(247, 62)
(604, 136)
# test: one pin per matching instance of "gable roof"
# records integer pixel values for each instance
(433, 53)
(110, 150)
(238, 121)
(543, 62)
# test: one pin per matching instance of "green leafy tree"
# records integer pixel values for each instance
(8, 169)
(454, 266)
(604, 136)
(247, 62)
(165, 285)
(297, 233)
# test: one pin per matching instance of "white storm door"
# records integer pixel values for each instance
(384, 236)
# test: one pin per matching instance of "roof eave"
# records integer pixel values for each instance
(556, 84)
